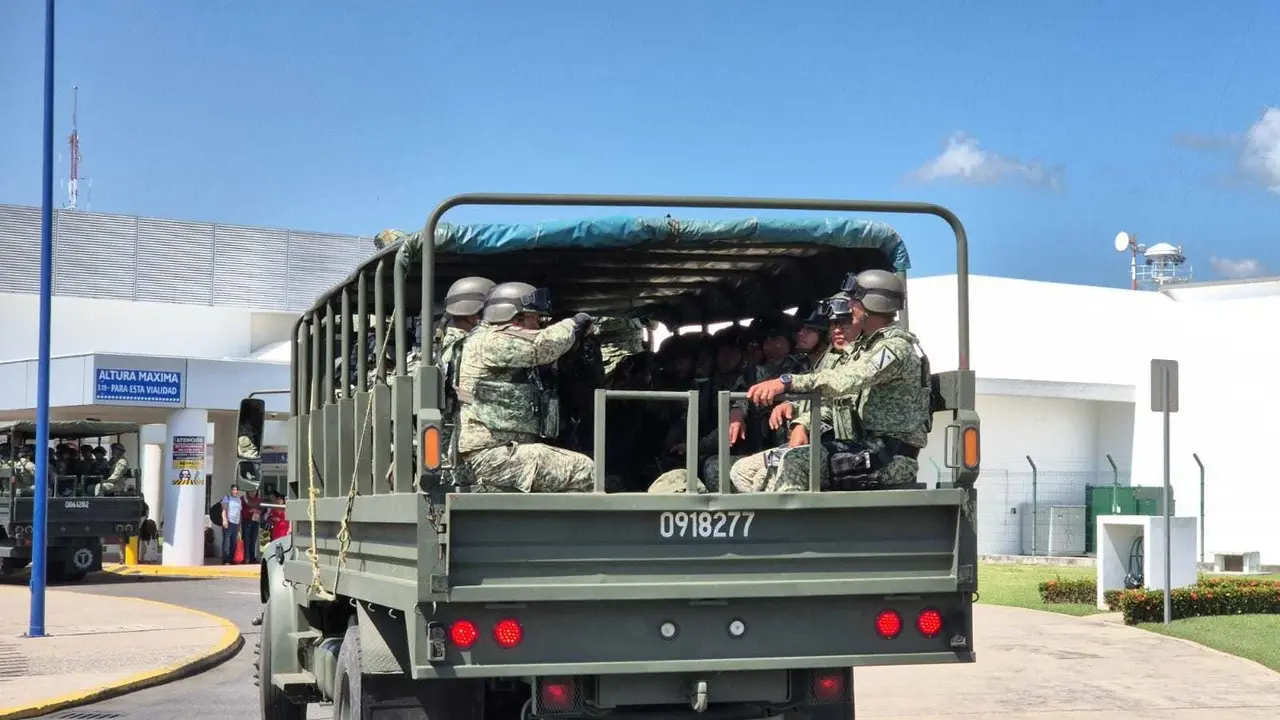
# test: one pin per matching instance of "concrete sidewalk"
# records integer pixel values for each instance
(100, 646)
(1053, 667)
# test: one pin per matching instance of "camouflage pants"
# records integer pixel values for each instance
(529, 468)
(787, 470)
(111, 488)
(673, 481)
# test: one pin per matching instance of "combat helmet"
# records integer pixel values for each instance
(510, 299)
(466, 296)
(879, 291)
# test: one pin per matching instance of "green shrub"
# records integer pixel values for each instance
(1214, 582)
(1057, 590)
(1112, 598)
(1202, 600)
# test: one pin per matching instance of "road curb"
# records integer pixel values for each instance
(226, 648)
(213, 571)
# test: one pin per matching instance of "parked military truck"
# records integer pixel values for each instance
(401, 595)
(79, 520)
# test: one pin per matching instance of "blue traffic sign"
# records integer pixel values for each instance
(160, 387)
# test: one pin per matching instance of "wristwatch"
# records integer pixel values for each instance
(785, 379)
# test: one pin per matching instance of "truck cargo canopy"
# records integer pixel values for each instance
(677, 271)
(70, 429)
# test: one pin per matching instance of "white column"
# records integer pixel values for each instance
(152, 486)
(224, 453)
(184, 506)
(151, 439)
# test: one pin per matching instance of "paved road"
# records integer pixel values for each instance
(1031, 665)
(227, 691)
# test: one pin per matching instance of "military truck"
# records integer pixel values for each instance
(401, 595)
(79, 521)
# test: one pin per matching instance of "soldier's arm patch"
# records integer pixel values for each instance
(882, 358)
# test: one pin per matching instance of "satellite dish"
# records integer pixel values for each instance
(1123, 241)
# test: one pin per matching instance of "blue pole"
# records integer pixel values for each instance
(40, 523)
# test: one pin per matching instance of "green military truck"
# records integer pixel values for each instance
(79, 520)
(401, 595)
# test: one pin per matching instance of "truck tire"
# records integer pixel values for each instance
(348, 700)
(274, 704)
(423, 700)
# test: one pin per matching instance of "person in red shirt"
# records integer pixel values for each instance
(276, 518)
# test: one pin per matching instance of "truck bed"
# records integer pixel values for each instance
(591, 578)
(512, 548)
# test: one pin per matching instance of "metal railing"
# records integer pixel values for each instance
(693, 433)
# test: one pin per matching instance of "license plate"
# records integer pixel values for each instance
(706, 525)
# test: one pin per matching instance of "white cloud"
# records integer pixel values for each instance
(1237, 267)
(1260, 154)
(965, 161)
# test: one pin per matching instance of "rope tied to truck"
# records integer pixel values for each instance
(344, 526)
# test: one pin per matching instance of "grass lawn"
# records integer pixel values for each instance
(1019, 586)
(1248, 636)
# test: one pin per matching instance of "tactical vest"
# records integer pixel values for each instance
(923, 390)
(520, 405)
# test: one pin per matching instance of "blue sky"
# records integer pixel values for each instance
(1047, 126)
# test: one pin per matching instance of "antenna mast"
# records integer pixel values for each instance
(73, 141)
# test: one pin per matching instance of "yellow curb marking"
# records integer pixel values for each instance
(227, 646)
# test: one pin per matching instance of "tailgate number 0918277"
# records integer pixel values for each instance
(706, 524)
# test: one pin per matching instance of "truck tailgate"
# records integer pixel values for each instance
(571, 547)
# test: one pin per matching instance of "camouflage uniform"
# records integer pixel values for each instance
(674, 480)
(618, 338)
(24, 476)
(500, 425)
(878, 399)
(119, 479)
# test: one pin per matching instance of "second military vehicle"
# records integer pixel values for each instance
(79, 519)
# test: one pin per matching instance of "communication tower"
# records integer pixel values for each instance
(1160, 264)
(73, 145)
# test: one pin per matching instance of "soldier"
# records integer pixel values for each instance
(811, 342)
(119, 479)
(506, 415)
(880, 391)
(726, 374)
(463, 304)
(24, 471)
(619, 338)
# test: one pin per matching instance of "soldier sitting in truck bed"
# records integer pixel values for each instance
(506, 417)
(881, 396)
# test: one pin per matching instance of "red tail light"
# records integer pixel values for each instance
(556, 696)
(888, 624)
(463, 633)
(828, 686)
(929, 623)
(508, 633)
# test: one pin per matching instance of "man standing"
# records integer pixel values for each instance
(506, 415)
(250, 517)
(232, 506)
(881, 389)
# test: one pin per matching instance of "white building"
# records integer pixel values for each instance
(1063, 370)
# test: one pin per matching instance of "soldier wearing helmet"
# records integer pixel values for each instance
(463, 304)
(875, 410)
(119, 478)
(506, 415)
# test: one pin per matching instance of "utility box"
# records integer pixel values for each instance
(1121, 500)
(1059, 530)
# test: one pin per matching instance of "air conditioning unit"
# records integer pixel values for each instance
(1058, 530)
